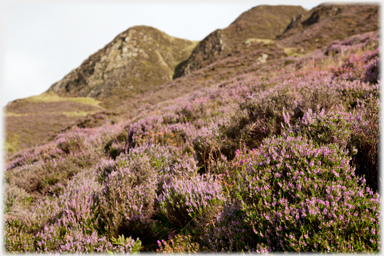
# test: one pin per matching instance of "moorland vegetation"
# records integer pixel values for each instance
(279, 155)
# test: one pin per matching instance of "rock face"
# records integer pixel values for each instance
(328, 22)
(263, 22)
(137, 60)
(206, 52)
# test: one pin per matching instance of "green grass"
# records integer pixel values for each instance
(67, 113)
(53, 97)
(191, 46)
(259, 40)
(292, 52)
(10, 144)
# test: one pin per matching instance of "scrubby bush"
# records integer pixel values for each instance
(325, 128)
(177, 244)
(185, 200)
(261, 113)
(139, 131)
(127, 198)
(365, 138)
(364, 67)
(17, 237)
(299, 196)
(229, 232)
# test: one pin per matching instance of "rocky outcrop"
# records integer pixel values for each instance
(328, 22)
(263, 22)
(137, 60)
(206, 52)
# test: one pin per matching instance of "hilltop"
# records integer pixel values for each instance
(137, 60)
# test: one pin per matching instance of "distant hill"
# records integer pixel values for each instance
(261, 22)
(327, 22)
(137, 60)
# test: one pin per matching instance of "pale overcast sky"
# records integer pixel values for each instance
(42, 42)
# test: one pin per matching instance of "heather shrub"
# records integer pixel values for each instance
(185, 200)
(167, 161)
(70, 142)
(229, 231)
(365, 138)
(66, 223)
(363, 101)
(366, 41)
(261, 113)
(76, 241)
(140, 130)
(364, 67)
(177, 244)
(324, 128)
(15, 197)
(126, 201)
(71, 214)
(31, 156)
(191, 112)
(42, 176)
(372, 71)
(207, 145)
(17, 237)
(73, 221)
(352, 92)
(300, 196)
(25, 177)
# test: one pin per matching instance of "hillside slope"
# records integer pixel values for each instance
(327, 22)
(142, 66)
(261, 22)
(289, 148)
(136, 61)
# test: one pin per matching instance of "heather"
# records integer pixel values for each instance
(258, 163)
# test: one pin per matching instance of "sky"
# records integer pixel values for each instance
(44, 41)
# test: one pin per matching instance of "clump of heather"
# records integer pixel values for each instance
(207, 145)
(126, 200)
(365, 138)
(177, 244)
(301, 196)
(139, 131)
(372, 71)
(364, 67)
(67, 223)
(185, 200)
(229, 232)
(366, 41)
(15, 198)
(261, 113)
(17, 237)
(167, 161)
(325, 128)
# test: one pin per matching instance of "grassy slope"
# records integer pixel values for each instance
(36, 120)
